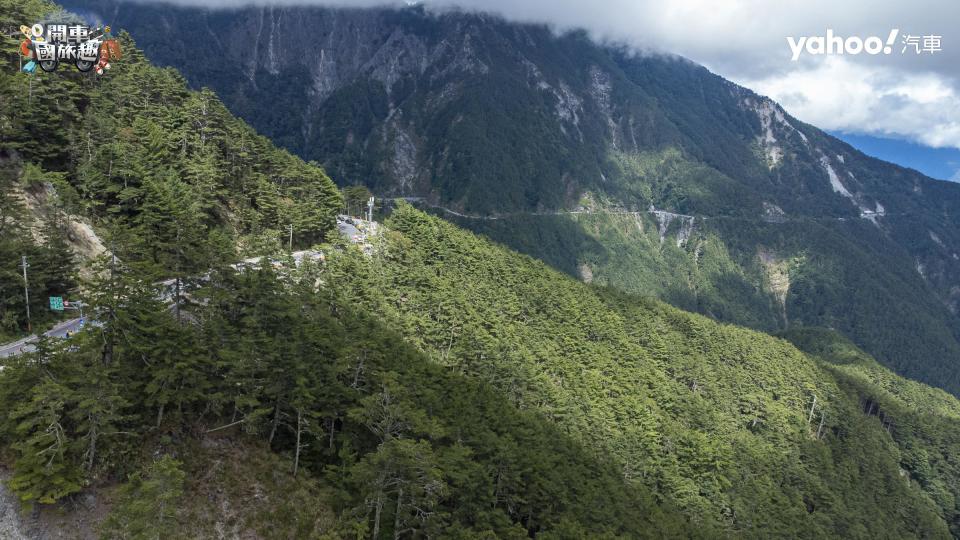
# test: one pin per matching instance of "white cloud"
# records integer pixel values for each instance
(838, 94)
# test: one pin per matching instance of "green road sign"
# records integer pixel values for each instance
(56, 303)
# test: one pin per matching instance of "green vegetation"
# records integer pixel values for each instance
(147, 503)
(522, 121)
(438, 385)
(509, 399)
(137, 153)
(700, 412)
(403, 443)
(726, 269)
(922, 420)
(628, 251)
(41, 241)
(135, 148)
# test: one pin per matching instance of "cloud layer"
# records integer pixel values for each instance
(839, 94)
(912, 96)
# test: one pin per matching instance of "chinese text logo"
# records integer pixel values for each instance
(833, 44)
(48, 44)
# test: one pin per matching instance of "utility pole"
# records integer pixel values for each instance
(370, 209)
(78, 305)
(26, 290)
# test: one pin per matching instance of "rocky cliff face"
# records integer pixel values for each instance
(409, 102)
(489, 118)
(448, 105)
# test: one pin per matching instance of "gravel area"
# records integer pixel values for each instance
(10, 523)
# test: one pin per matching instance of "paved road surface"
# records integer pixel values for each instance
(73, 326)
(348, 230)
(26, 344)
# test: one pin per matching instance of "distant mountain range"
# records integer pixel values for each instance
(645, 173)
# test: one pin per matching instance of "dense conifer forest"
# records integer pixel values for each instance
(435, 384)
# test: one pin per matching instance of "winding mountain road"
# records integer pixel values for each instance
(356, 230)
(60, 330)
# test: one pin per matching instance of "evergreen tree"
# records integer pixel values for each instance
(147, 503)
(45, 470)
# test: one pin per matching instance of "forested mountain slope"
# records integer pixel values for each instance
(717, 418)
(177, 187)
(438, 385)
(740, 211)
(139, 153)
(139, 156)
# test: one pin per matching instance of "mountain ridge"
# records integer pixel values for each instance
(490, 118)
(433, 383)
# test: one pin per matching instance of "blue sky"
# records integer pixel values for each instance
(940, 163)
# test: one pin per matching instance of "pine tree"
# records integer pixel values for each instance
(13, 241)
(45, 471)
(147, 503)
(101, 396)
